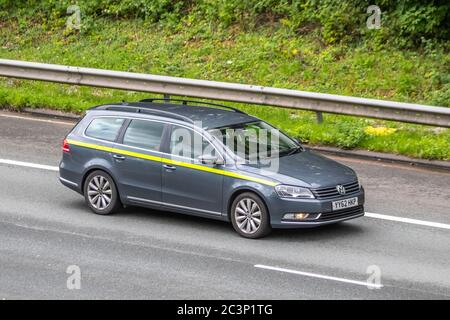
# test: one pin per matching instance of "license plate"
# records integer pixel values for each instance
(346, 203)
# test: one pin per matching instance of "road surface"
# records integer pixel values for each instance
(146, 254)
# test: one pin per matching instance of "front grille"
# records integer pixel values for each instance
(341, 214)
(331, 192)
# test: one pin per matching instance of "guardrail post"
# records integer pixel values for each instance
(319, 117)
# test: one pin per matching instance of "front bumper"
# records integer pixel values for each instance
(320, 209)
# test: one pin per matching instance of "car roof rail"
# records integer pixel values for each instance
(145, 110)
(198, 103)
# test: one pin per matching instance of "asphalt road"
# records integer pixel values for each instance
(145, 254)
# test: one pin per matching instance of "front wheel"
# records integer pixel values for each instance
(101, 193)
(249, 216)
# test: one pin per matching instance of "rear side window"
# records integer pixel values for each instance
(105, 128)
(144, 134)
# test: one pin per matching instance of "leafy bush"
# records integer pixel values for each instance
(346, 133)
(404, 23)
(350, 134)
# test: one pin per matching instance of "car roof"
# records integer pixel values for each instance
(210, 116)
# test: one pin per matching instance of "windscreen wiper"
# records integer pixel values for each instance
(295, 150)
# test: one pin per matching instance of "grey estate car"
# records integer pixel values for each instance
(176, 155)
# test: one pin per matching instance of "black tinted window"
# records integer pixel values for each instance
(104, 128)
(144, 134)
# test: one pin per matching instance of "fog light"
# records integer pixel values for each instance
(301, 216)
(296, 216)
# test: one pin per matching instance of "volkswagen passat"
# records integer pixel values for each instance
(207, 160)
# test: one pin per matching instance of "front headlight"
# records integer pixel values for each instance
(293, 192)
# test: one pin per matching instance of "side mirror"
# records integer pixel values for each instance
(210, 159)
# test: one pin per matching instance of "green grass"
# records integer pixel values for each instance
(265, 56)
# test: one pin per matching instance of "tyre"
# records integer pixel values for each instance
(249, 216)
(101, 194)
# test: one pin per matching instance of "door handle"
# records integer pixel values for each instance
(169, 167)
(118, 157)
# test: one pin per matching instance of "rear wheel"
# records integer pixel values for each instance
(249, 216)
(100, 193)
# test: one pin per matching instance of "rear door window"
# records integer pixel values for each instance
(105, 128)
(144, 134)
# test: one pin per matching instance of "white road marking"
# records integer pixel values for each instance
(408, 220)
(29, 164)
(320, 276)
(35, 119)
(367, 214)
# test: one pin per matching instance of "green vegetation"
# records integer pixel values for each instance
(303, 45)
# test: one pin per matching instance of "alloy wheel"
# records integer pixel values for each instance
(99, 192)
(248, 215)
